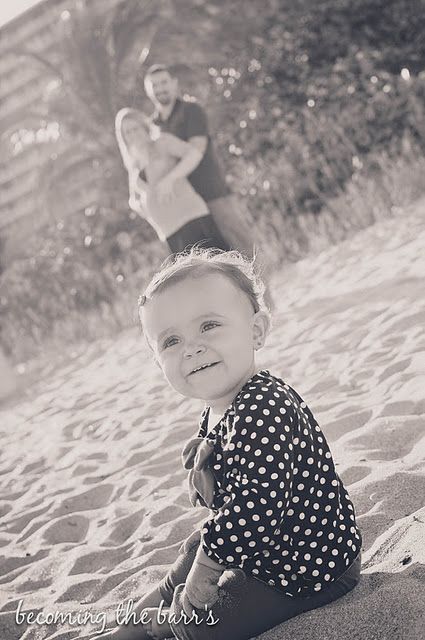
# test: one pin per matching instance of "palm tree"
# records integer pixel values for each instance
(84, 88)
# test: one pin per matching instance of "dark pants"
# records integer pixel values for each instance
(235, 225)
(201, 230)
(244, 609)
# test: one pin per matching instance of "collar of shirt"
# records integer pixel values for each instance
(224, 422)
(156, 116)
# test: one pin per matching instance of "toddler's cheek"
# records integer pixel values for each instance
(175, 379)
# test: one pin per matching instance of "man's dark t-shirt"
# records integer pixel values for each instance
(187, 120)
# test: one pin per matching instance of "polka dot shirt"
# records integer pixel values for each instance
(280, 511)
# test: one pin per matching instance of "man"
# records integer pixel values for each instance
(188, 121)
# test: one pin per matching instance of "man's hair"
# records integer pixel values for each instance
(157, 68)
(199, 262)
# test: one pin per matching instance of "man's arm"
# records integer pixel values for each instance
(189, 158)
(200, 143)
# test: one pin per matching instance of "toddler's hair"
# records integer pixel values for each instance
(198, 262)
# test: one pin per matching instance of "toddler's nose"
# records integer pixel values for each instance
(193, 350)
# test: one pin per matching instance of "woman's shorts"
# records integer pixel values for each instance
(202, 231)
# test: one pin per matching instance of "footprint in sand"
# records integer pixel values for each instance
(354, 474)
(83, 469)
(402, 408)
(83, 591)
(68, 430)
(38, 465)
(99, 561)
(138, 484)
(4, 509)
(125, 527)
(95, 498)
(14, 562)
(345, 424)
(32, 528)
(397, 367)
(378, 504)
(19, 524)
(167, 514)
(70, 529)
(391, 438)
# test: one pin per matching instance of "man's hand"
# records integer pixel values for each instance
(201, 586)
(164, 190)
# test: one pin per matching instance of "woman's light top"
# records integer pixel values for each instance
(184, 205)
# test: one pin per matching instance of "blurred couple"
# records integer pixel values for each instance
(175, 181)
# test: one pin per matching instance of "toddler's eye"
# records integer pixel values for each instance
(170, 342)
(210, 324)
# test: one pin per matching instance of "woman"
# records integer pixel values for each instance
(157, 165)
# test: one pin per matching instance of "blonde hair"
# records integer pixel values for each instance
(199, 261)
(140, 118)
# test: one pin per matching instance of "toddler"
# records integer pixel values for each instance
(282, 537)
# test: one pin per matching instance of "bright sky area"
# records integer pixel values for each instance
(11, 8)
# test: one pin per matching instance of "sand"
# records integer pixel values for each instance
(93, 495)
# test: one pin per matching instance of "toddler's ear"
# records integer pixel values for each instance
(260, 328)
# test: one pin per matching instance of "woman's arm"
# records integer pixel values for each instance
(137, 190)
(189, 157)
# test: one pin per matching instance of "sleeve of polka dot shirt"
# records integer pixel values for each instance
(258, 469)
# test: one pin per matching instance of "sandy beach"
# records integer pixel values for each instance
(94, 503)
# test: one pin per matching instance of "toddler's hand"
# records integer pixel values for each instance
(201, 586)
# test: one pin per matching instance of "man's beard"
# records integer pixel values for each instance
(165, 100)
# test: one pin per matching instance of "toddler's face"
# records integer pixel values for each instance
(203, 332)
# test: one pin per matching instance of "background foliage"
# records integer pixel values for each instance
(309, 102)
